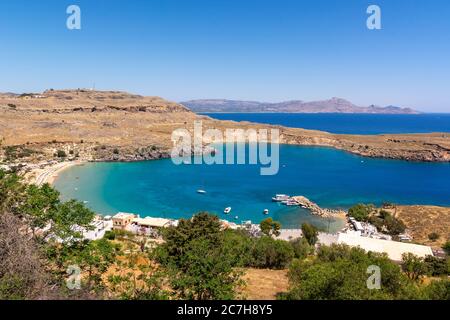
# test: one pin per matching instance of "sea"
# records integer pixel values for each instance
(331, 178)
(349, 123)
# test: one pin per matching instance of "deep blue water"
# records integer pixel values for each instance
(329, 177)
(348, 123)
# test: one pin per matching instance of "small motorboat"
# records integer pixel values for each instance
(280, 198)
(201, 191)
(227, 210)
(292, 203)
(266, 211)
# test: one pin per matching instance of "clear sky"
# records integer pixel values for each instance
(236, 49)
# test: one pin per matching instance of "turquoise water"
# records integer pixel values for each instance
(331, 178)
(349, 123)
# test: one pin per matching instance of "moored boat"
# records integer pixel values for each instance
(280, 198)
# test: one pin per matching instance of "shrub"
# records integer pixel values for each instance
(301, 248)
(270, 227)
(310, 233)
(438, 290)
(116, 151)
(110, 235)
(436, 266)
(414, 266)
(340, 273)
(240, 245)
(360, 212)
(446, 247)
(394, 225)
(271, 253)
(61, 154)
(433, 236)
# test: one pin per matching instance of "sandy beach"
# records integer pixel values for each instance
(50, 173)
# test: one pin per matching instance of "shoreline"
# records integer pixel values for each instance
(50, 173)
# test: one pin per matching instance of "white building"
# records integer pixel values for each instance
(394, 249)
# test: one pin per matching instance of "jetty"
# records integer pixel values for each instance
(315, 208)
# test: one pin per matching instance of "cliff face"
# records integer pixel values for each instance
(117, 126)
(334, 105)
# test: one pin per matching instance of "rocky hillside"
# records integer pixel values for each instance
(334, 105)
(117, 126)
(70, 101)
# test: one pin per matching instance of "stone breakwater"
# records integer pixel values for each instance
(315, 208)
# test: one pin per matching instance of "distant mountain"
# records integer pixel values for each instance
(333, 105)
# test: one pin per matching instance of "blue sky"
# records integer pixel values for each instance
(236, 49)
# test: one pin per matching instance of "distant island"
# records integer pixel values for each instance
(333, 105)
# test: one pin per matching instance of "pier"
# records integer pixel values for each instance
(315, 208)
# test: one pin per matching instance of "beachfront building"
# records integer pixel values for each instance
(149, 226)
(98, 230)
(393, 249)
(122, 220)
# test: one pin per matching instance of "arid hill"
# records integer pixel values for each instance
(112, 125)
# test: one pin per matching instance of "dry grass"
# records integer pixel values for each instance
(423, 220)
(264, 284)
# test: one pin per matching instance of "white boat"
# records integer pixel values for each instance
(227, 210)
(266, 211)
(201, 191)
(280, 198)
(291, 203)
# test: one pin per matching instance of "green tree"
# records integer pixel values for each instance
(40, 205)
(66, 216)
(361, 212)
(270, 253)
(270, 227)
(310, 233)
(413, 266)
(302, 248)
(199, 265)
(437, 290)
(205, 273)
(12, 192)
(94, 258)
(436, 266)
(446, 247)
(340, 273)
(240, 246)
